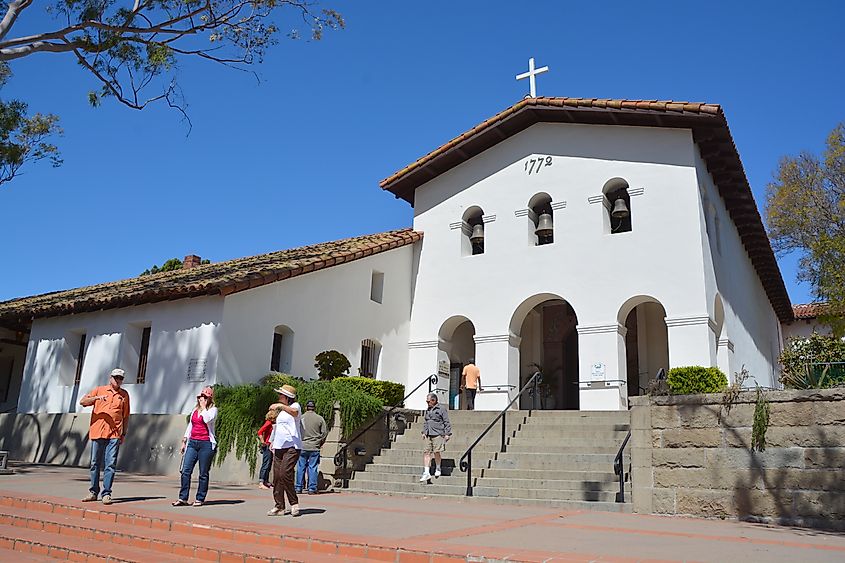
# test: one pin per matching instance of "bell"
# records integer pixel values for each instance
(620, 210)
(545, 227)
(477, 234)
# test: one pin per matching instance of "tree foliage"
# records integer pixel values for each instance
(133, 49)
(805, 212)
(331, 364)
(168, 266)
(24, 138)
(815, 362)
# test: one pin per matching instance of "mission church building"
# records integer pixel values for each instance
(596, 241)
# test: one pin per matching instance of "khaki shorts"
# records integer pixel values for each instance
(435, 444)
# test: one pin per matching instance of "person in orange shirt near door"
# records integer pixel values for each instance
(108, 430)
(471, 383)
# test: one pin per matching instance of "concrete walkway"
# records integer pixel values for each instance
(478, 529)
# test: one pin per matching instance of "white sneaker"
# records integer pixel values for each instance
(294, 510)
(425, 477)
(437, 473)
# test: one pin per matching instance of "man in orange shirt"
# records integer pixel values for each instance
(107, 431)
(471, 383)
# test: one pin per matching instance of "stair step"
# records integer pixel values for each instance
(123, 541)
(625, 507)
(65, 546)
(22, 556)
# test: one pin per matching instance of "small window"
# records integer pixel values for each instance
(7, 365)
(617, 203)
(472, 231)
(377, 286)
(370, 350)
(276, 355)
(282, 351)
(80, 359)
(143, 355)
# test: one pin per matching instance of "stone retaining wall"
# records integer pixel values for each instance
(690, 456)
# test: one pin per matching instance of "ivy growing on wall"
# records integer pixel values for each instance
(242, 409)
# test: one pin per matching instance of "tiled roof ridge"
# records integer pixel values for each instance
(219, 278)
(809, 310)
(600, 103)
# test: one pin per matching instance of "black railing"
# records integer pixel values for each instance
(341, 458)
(619, 469)
(466, 460)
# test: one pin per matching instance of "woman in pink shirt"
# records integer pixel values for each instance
(198, 444)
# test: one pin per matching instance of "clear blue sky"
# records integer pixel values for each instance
(297, 158)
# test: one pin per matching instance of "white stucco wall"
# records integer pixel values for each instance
(328, 309)
(181, 330)
(803, 328)
(595, 272)
(750, 335)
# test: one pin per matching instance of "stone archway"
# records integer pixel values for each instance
(545, 325)
(455, 347)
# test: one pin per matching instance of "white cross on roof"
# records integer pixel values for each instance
(530, 75)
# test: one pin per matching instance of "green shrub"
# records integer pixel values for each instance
(390, 393)
(806, 362)
(242, 409)
(696, 379)
(331, 364)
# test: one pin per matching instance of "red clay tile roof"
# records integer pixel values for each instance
(223, 278)
(809, 310)
(710, 131)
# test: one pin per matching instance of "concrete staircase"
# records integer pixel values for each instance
(561, 459)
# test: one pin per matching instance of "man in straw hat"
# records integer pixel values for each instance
(286, 443)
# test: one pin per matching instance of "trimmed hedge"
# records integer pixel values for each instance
(390, 393)
(690, 380)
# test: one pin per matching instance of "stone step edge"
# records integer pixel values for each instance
(56, 546)
(591, 504)
(350, 546)
(128, 536)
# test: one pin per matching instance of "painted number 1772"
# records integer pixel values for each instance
(533, 165)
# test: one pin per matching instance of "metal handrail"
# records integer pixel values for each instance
(341, 459)
(466, 459)
(618, 470)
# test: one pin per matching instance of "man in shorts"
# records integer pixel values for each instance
(436, 432)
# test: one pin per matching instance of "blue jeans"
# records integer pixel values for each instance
(311, 460)
(103, 456)
(266, 464)
(196, 450)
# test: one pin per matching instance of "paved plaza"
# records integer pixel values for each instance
(477, 529)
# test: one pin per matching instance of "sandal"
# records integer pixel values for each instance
(179, 502)
(198, 503)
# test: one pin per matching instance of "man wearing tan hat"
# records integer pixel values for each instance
(108, 429)
(286, 443)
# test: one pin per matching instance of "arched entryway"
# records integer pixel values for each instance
(546, 325)
(456, 346)
(646, 341)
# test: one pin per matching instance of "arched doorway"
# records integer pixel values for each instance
(646, 341)
(456, 346)
(549, 343)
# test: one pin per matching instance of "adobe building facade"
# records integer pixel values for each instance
(596, 241)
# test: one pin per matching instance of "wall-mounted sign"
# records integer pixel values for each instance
(597, 372)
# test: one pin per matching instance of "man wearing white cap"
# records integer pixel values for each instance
(108, 430)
